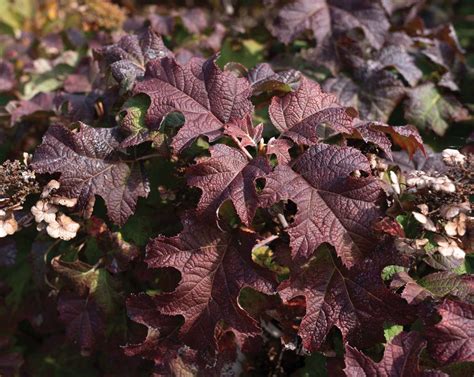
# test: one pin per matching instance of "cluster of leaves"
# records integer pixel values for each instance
(183, 214)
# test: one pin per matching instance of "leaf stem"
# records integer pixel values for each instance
(146, 157)
(282, 220)
(245, 151)
(266, 241)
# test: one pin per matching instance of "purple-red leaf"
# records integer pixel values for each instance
(227, 175)
(309, 114)
(214, 267)
(355, 301)
(452, 339)
(90, 164)
(207, 97)
(333, 206)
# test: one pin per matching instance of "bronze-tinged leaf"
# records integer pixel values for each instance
(263, 78)
(90, 164)
(227, 175)
(207, 97)
(309, 114)
(400, 359)
(452, 339)
(356, 301)
(128, 57)
(406, 137)
(330, 18)
(333, 206)
(214, 267)
(244, 130)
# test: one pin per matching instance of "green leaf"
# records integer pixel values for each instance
(105, 291)
(391, 331)
(389, 271)
(428, 108)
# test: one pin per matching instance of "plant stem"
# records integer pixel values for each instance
(265, 241)
(245, 151)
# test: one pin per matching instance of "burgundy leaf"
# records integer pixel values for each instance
(400, 360)
(355, 301)
(333, 207)
(309, 114)
(214, 267)
(227, 175)
(90, 164)
(329, 18)
(452, 339)
(84, 326)
(41, 104)
(207, 97)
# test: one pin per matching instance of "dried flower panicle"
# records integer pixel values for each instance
(47, 215)
(16, 183)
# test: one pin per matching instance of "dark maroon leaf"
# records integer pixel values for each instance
(355, 301)
(227, 175)
(397, 57)
(207, 97)
(400, 360)
(8, 252)
(374, 93)
(309, 114)
(84, 326)
(452, 339)
(127, 58)
(429, 163)
(333, 207)
(90, 164)
(329, 18)
(214, 267)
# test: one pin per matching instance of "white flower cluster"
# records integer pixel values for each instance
(452, 157)
(48, 216)
(417, 180)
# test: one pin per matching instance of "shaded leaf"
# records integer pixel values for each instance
(355, 301)
(90, 164)
(214, 267)
(400, 359)
(127, 58)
